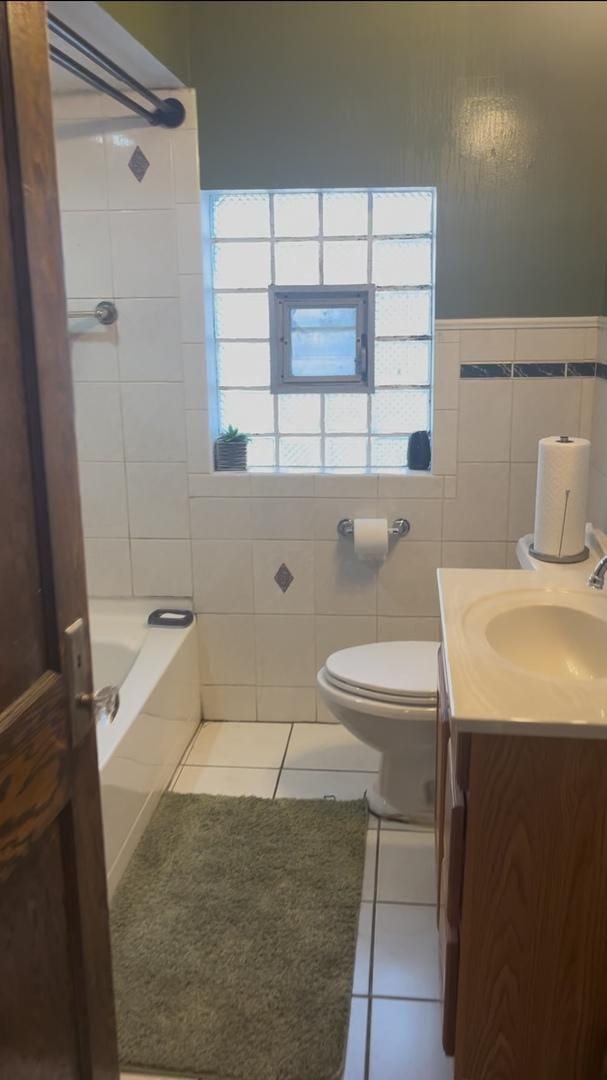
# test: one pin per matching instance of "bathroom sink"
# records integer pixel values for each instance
(551, 640)
(524, 653)
(548, 632)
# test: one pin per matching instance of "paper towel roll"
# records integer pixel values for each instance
(560, 498)
(371, 538)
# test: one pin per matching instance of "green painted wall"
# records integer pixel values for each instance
(502, 106)
(162, 26)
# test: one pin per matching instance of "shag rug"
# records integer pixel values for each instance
(234, 933)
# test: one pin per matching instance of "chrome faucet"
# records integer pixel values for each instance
(597, 577)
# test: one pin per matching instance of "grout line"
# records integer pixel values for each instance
(371, 956)
(283, 761)
(395, 997)
(406, 903)
(207, 765)
(245, 768)
(184, 757)
(175, 777)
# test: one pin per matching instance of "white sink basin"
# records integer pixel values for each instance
(550, 633)
(524, 653)
(551, 640)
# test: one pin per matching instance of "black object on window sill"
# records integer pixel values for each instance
(419, 453)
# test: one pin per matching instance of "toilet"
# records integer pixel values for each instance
(385, 693)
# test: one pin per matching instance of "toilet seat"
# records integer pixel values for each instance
(377, 695)
(398, 672)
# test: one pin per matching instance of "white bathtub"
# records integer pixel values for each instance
(156, 669)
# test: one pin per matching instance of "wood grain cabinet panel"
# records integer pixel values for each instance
(453, 858)
(521, 833)
(532, 986)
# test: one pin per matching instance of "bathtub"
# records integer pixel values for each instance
(156, 669)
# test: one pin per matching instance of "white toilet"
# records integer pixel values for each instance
(385, 693)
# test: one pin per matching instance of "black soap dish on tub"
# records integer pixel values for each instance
(173, 617)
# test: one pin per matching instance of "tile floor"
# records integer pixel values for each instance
(395, 1012)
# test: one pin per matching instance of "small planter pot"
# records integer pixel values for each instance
(230, 456)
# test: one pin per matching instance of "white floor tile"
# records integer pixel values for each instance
(329, 746)
(405, 954)
(307, 784)
(214, 780)
(233, 744)
(368, 890)
(406, 1042)
(360, 984)
(406, 867)
(403, 826)
(357, 1040)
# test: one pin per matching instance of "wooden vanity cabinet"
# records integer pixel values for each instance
(521, 846)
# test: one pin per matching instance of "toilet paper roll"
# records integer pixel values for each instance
(371, 538)
(561, 497)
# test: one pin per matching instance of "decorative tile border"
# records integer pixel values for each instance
(539, 371)
(536, 370)
(584, 368)
(485, 371)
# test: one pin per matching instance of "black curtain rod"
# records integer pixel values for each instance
(167, 113)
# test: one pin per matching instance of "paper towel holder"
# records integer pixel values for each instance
(399, 527)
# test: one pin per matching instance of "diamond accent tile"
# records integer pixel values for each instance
(283, 577)
(138, 164)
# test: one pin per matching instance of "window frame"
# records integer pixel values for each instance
(282, 299)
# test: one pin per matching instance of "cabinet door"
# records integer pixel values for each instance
(449, 908)
(453, 842)
(442, 742)
(449, 963)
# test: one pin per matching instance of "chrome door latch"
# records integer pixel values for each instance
(103, 705)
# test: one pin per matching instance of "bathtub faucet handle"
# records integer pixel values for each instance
(104, 703)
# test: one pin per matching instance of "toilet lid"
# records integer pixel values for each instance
(403, 669)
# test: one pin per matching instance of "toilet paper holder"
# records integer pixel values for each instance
(399, 527)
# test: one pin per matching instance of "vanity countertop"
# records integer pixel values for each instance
(524, 653)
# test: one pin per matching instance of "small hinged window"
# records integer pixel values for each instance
(321, 338)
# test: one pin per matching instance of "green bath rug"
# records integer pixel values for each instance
(234, 932)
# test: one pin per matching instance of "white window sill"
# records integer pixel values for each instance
(270, 471)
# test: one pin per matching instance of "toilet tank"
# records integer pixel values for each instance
(571, 573)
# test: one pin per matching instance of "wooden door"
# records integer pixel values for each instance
(56, 1001)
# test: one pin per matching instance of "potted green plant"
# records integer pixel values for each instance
(231, 450)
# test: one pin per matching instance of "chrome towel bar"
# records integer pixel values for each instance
(104, 312)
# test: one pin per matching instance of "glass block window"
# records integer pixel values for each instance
(323, 243)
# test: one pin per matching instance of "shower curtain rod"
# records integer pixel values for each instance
(167, 113)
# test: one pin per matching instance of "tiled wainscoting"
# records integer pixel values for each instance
(130, 202)
(158, 523)
(598, 468)
(395, 1018)
(261, 645)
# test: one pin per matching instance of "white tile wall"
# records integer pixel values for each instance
(144, 445)
(132, 240)
(144, 250)
(161, 567)
(103, 498)
(158, 500)
(598, 436)
(469, 516)
(87, 254)
(543, 407)
(154, 421)
(150, 340)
